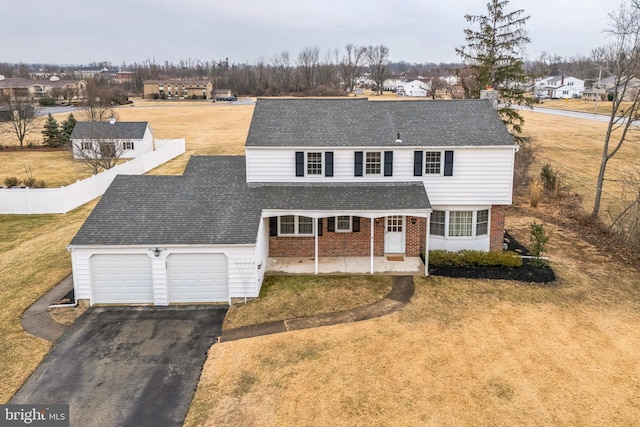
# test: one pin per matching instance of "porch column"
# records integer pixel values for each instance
(315, 239)
(426, 245)
(371, 234)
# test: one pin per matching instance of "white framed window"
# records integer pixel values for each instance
(433, 160)
(373, 163)
(460, 223)
(343, 224)
(127, 145)
(437, 223)
(314, 163)
(86, 145)
(482, 222)
(294, 225)
(454, 224)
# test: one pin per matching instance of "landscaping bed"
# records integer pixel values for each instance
(527, 272)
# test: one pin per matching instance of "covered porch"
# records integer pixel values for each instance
(397, 265)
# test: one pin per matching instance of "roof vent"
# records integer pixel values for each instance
(398, 140)
(112, 120)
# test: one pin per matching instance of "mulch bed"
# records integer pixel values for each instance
(526, 273)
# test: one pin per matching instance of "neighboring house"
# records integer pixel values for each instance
(320, 178)
(451, 80)
(177, 89)
(36, 89)
(224, 93)
(91, 72)
(391, 85)
(127, 139)
(559, 87)
(416, 88)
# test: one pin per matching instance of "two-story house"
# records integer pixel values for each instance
(320, 178)
(560, 87)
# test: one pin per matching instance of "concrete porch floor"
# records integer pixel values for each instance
(410, 266)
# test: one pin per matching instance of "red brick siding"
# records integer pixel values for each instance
(348, 244)
(496, 238)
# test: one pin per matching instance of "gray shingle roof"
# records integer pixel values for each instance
(106, 130)
(359, 122)
(212, 204)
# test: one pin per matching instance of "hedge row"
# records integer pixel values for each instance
(468, 258)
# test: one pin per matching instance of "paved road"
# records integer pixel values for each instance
(565, 113)
(127, 366)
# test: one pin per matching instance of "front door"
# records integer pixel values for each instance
(394, 235)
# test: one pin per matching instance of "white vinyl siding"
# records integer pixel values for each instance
(481, 175)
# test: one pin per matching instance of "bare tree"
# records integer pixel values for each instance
(97, 145)
(624, 66)
(378, 60)
(308, 62)
(96, 107)
(282, 70)
(21, 117)
(626, 223)
(350, 66)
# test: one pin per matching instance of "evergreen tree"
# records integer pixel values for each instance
(67, 129)
(494, 56)
(51, 132)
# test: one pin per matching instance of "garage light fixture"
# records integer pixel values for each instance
(156, 251)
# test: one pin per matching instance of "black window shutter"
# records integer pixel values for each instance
(319, 226)
(388, 163)
(299, 163)
(331, 223)
(357, 167)
(448, 163)
(273, 226)
(356, 224)
(328, 163)
(417, 163)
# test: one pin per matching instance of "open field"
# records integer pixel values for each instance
(208, 129)
(573, 147)
(463, 352)
(600, 107)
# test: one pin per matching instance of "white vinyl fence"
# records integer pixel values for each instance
(63, 199)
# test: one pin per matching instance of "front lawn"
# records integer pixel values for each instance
(288, 297)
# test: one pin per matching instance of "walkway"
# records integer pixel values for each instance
(36, 319)
(401, 292)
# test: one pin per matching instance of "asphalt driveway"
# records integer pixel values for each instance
(127, 366)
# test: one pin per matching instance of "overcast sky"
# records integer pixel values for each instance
(81, 31)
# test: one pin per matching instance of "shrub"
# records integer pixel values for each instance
(11, 181)
(538, 241)
(535, 193)
(47, 102)
(469, 258)
(549, 178)
(39, 184)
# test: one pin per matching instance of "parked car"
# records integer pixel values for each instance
(226, 98)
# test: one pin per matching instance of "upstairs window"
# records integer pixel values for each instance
(314, 163)
(373, 163)
(433, 160)
(86, 145)
(127, 145)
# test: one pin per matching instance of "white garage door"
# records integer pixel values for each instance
(121, 279)
(197, 278)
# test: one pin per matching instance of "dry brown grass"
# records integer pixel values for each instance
(34, 259)
(288, 297)
(66, 316)
(601, 107)
(573, 147)
(208, 128)
(463, 352)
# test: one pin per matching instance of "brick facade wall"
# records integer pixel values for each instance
(349, 244)
(496, 237)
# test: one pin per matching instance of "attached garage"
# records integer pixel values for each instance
(197, 278)
(121, 279)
